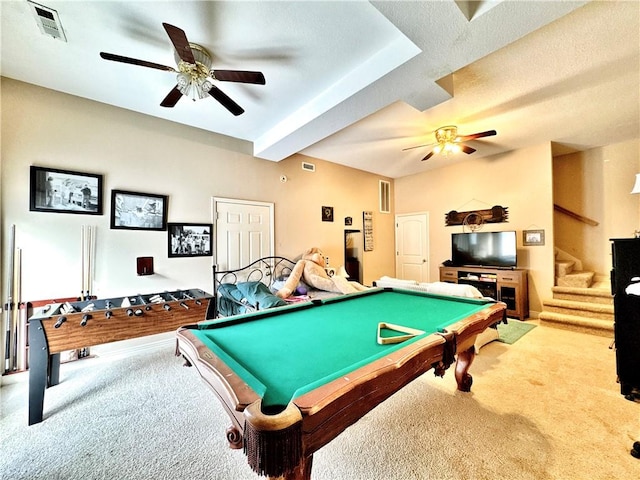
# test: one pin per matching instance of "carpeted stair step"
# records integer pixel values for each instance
(576, 279)
(576, 323)
(590, 295)
(578, 308)
(564, 267)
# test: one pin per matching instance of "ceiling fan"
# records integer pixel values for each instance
(194, 72)
(448, 141)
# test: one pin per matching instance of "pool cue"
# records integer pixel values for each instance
(14, 312)
(92, 249)
(89, 259)
(8, 306)
(20, 317)
(82, 245)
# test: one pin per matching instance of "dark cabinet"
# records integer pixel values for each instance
(625, 288)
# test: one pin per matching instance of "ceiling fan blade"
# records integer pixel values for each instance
(466, 149)
(226, 102)
(134, 61)
(466, 138)
(172, 98)
(239, 76)
(417, 146)
(180, 42)
(428, 156)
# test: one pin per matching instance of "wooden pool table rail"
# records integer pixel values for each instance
(328, 410)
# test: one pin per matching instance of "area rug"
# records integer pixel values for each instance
(513, 331)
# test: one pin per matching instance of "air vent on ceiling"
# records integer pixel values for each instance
(47, 20)
(309, 167)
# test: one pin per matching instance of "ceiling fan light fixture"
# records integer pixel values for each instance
(446, 134)
(446, 138)
(193, 77)
(452, 148)
(448, 142)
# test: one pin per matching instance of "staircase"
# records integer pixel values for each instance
(581, 301)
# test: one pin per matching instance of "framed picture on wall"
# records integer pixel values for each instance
(327, 214)
(138, 211)
(189, 239)
(532, 237)
(64, 191)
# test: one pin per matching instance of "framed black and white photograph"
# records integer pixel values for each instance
(138, 211)
(532, 237)
(190, 239)
(64, 191)
(327, 214)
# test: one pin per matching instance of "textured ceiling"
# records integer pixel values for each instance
(356, 82)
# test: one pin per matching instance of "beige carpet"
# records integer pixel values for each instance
(546, 407)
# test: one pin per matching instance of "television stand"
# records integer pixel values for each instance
(504, 284)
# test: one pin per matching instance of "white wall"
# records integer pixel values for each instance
(596, 184)
(140, 153)
(519, 180)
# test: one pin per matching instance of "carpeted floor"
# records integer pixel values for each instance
(514, 330)
(545, 407)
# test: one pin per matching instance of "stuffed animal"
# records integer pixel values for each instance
(311, 270)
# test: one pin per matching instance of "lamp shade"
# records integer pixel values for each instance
(636, 186)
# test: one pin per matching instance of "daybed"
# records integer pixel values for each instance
(253, 287)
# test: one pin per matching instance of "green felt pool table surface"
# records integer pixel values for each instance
(293, 378)
(284, 355)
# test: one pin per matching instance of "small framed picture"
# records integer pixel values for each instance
(532, 237)
(64, 191)
(138, 211)
(189, 239)
(327, 214)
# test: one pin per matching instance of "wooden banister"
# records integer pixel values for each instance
(575, 216)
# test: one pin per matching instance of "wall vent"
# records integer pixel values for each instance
(309, 167)
(47, 20)
(384, 191)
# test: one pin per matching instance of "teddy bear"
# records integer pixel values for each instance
(310, 269)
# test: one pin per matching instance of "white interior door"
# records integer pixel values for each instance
(412, 247)
(243, 231)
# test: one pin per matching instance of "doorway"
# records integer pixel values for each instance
(412, 247)
(243, 231)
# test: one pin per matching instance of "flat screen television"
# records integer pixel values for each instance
(484, 249)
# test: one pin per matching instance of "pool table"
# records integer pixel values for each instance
(293, 378)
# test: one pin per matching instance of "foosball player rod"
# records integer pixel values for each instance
(85, 318)
(191, 297)
(147, 307)
(172, 296)
(60, 321)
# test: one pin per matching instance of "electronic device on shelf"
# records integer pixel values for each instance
(484, 249)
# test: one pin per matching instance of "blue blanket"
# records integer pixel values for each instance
(246, 296)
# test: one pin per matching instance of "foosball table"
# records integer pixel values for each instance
(58, 327)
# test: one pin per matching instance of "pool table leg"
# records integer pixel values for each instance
(234, 437)
(301, 472)
(464, 361)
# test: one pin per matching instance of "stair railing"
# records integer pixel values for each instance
(575, 216)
